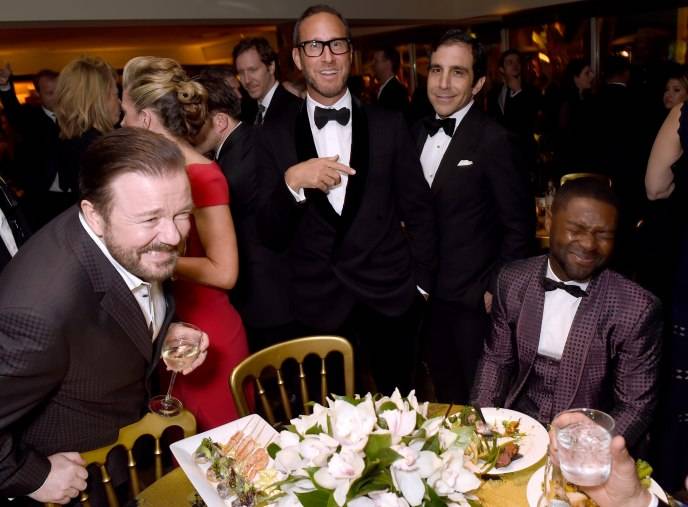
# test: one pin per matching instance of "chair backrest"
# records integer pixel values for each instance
(275, 356)
(575, 176)
(150, 424)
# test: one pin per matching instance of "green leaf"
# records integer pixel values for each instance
(434, 500)
(376, 443)
(388, 405)
(316, 429)
(380, 480)
(433, 445)
(317, 498)
(387, 456)
(273, 449)
(419, 420)
(474, 503)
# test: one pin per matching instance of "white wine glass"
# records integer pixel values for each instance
(180, 349)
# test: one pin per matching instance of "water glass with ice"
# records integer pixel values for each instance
(583, 446)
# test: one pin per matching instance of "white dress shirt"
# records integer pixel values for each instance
(332, 139)
(6, 235)
(557, 316)
(435, 146)
(149, 296)
(265, 101)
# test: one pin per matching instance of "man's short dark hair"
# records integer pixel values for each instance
(50, 74)
(261, 45)
(392, 55)
(123, 151)
(458, 36)
(221, 97)
(312, 11)
(591, 188)
(507, 53)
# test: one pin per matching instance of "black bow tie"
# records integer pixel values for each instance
(574, 290)
(322, 116)
(434, 124)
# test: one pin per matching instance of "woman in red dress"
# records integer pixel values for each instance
(159, 96)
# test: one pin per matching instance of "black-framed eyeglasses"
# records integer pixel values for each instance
(315, 48)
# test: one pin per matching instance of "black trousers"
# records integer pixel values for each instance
(455, 338)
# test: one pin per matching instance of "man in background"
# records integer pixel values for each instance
(392, 94)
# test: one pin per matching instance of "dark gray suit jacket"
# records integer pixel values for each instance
(76, 353)
(611, 357)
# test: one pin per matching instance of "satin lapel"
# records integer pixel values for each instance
(305, 150)
(461, 146)
(117, 300)
(583, 331)
(528, 327)
(359, 160)
(421, 137)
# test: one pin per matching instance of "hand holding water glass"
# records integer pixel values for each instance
(183, 345)
(583, 439)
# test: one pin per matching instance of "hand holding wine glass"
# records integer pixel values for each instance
(184, 349)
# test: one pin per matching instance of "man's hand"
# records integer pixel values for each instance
(5, 74)
(322, 173)
(205, 342)
(66, 479)
(487, 298)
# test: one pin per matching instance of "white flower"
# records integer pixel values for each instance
(452, 476)
(342, 469)
(447, 438)
(422, 408)
(289, 460)
(316, 449)
(387, 499)
(288, 439)
(432, 426)
(399, 422)
(351, 424)
(306, 422)
(290, 499)
(361, 501)
(409, 471)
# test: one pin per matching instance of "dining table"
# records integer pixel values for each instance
(175, 490)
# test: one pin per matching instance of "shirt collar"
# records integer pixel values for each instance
(222, 143)
(268, 96)
(458, 115)
(550, 274)
(133, 282)
(344, 101)
(49, 113)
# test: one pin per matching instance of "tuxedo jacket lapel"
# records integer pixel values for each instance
(157, 344)
(359, 160)
(528, 328)
(583, 331)
(461, 146)
(117, 300)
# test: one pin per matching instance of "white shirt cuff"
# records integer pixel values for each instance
(300, 196)
(654, 501)
(5, 88)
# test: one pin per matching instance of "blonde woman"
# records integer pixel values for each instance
(160, 97)
(87, 106)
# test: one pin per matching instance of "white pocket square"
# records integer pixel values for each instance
(463, 163)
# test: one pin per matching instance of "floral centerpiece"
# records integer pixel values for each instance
(371, 452)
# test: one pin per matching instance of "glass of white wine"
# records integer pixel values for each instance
(181, 348)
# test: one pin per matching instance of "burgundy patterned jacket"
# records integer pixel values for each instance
(611, 357)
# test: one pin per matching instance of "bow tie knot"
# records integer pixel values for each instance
(433, 125)
(323, 116)
(548, 284)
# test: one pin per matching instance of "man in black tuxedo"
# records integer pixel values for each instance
(260, 294)
(81, 330)
(256, 65)
(485, 216)
(337, 178)
(37, 146)
(14, 229)
(392, 94)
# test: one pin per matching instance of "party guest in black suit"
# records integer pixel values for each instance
(337, 178)
(392, 94)
(81, 331)
(38, 139)
(482, 206)
(256, 64)
(14, 229)
(260, 294)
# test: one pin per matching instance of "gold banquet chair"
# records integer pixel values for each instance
(275, 356)
(150, 424)
(576, 176)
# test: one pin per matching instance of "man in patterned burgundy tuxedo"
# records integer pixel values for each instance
(566, 332)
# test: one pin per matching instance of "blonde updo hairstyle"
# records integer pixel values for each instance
(162, 85)
(83, 91)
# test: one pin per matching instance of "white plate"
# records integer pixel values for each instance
(532, 447)
(183, 451)
(534, 490)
